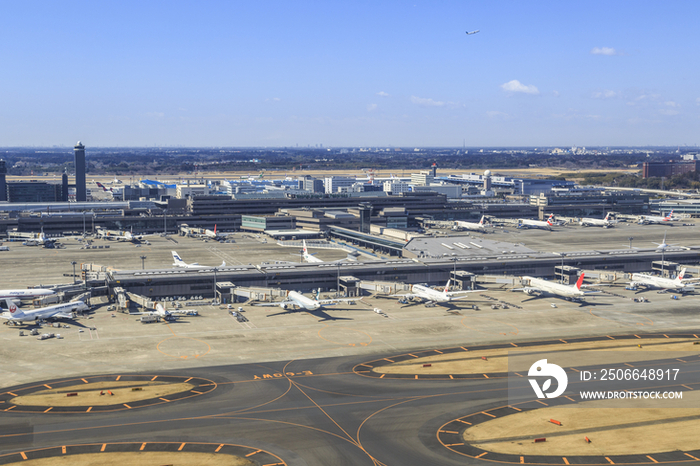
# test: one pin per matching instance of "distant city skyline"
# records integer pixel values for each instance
(350, 74)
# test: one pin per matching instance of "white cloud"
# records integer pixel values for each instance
(697, 101)
(605, 94)
(382, 94)
(371, 107)
(517, 86)
(671, 104)
(604, 51)
(496, 115)
(668, 112)
(423, 102)
(273, 99)
(555, 93)
(157, 115)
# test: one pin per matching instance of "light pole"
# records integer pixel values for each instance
(561, 271)
(73, 264)
(454, 269)
(165, 222)
(143, 262)
(215, 270)
(630, 240)
(337, 282)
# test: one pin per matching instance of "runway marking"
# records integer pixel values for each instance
(688, 454)
(513, 407)
(47, 386)
(416, 377)
(609, 460)
(143, 445)
(638, 336)
(464, 422)
(629, 365)
(63, 449)
(565, 460)
(609, 335)
(84, 380)
(119, 377)
(485, 376)
(488, 414)
(280, 375)
(181, 446)
(253, 453)
(49, 409)
(542, 402)
(387, 359)
(11, 407)
(219, 448)
(24, 457)
(129, 408)
(666, 335)
(412, 355)
(195, 391)
(687, 387)
(479, 456)
(465, 349)
(574, 369)
(451, 378)
(454, 444)
(652, 459)
(10, 393)
(438, 351)
(89, 409)
(448, 432)
(563, 341)
(522, 460)
(382, 376)
(104, 445)
(188, 379)
(164, 399)
(513, 344)
(680, 360)
(154, 378)
(569, 398)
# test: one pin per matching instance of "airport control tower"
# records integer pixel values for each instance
(79, 160)
(3, 181)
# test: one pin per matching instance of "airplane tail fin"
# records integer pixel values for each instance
(549, 220)
(607, 217)
(481, 222)
(681, 275)
(303, 242)
(223, 264)
(579, 282)
(177, 260)
(11, 306)
(447, 286)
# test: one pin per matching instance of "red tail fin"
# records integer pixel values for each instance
(549, 220)
(579, 282)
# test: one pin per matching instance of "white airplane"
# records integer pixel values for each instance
(662, 245)
(296, 299)
(64, 311)
(429, 294)
(594, 222)
(17, 295)
(194, 265)
(539, 286)
(470, 226)
(120, 236)
(546, 225)
(166, 314)
(649, 219)
(309, 257)
(677, 284)
(473, 32)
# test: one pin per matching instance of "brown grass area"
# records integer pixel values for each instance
(142, 458)
(471, 362)
(610, 430)
(89, 394)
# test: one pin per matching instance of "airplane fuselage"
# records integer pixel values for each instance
(566, 291)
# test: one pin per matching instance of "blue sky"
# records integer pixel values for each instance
(350, 73)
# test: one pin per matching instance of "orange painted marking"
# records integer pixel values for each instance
(542, 402)
(638, 336)
(465, 349)
(485, 376)
(465, 422)
(119, 377)
(251, 454)
(104, 445)
(569, 398)
(416, 377)
(628, 365)
(686, 387)
(188, 379)
(451, 378)
(10, 393)
(513, 344)
(387, 359)
(609, 460)
(84, 380)
(574, 369)
(181, 446)
(513, 407)
(219, 448)
(11, 407)
(522, 460)
(154, 378)
(680, 360)
(143, 445)
(479, 456)
(129, 408)
(24, 457)
(164, 399)
(652, 459)
(454, 444)
(49, 409)
(47, 386)
(688, 454)
(695, 337)
(519, 375)
(63, 449)
(275, 464)
(666, 335)
(89, 409)
(449, 432)
(611, 339)
(488, 414)
(412, 355)
(195, 391)
(563, 341)
(438, 351)
(382, 376)
(565, 460)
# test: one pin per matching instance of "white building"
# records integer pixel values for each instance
(396, 187)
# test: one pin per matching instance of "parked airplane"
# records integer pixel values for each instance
(677, 284)
(309, 257)
(17, 295)
(469, 225)
(165, 314)
(64, 311)
(546, 225)
(120, 236)
(296, 299)
(662, 245)
(649, 219)
(426, 294)
(594, 222)
(194, 265)
(539, 286)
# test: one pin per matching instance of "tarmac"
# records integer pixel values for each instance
(285, 380)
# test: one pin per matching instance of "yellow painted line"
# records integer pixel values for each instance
(695, 337)
(89, 409)
(251, 454)
(412, 355)
(513, 407)
(104, 445)
(119, 377)
(451, 378)
(479, 456)
(219, 448)
(465, 349)
(154, 378)
(129, 408)
(666, 335)
(195, 391)
(382, 376)
(274, 464)
(569, 398)
(638, 336)
(49, 409)
(565, 460)
(609, 460)
(453, 444)
(688, 454)
(188, 379)
(686, 387)
(449, 432)
(519, 375)
(628, 365)
(488, 414)
(652, 459)
(24, 457)
(611, 339)
(11, 407)
(513, 344)
(465, 422)
(47, 386)
(63, 449)
(542, 402)
(416, 377)
(387, 359)
(438, 351)
(574, 369)
(522, 460)
(485, 375)
(84, 380)
(181, 446)
(563, 341)
(143, 445)
(680, 360)
(10, 393)
(164, 399)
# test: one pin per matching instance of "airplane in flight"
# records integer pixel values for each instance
(538, 286)
(63, 311)
(545, 225)
(428, 294)
(655, 219)
(470, 225)
(677, 284)
(472, 32)
(18, 295)
(594, 222)
(194, 265)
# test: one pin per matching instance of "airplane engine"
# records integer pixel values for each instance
(530, 291)
(284, 306)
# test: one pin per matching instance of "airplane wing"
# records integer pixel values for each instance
(62, 315)
(336, 300)
(457, 293)
(278, 304)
